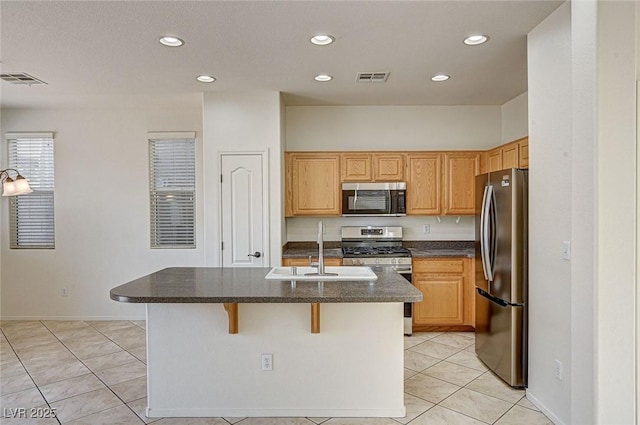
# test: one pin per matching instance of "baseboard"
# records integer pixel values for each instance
(433, 328)
(548, 413)
(72, 318)
(398, 412)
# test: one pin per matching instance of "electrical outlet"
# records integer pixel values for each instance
(558, 371)
(65, 292)
(267, 361)
(426, 228)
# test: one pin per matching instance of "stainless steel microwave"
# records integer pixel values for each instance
(374, 199)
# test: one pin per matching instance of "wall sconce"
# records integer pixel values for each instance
(11, 187)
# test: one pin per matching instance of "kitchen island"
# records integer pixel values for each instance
(336, 347)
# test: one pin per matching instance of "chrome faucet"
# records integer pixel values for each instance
(320, 263)
(320, 249)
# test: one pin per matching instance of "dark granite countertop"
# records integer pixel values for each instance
(419, 249)
(439, 249)
(248, 285)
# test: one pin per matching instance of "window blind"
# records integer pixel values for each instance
(172, 175)
(31, 217)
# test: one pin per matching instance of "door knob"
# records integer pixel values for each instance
(256, 254)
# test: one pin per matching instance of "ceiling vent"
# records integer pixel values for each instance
(21, 79)
(372, 77)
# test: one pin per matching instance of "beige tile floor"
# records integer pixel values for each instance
(94, 373)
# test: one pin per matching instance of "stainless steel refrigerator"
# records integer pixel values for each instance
(502, 273)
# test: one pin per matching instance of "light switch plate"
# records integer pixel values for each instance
(566, 250)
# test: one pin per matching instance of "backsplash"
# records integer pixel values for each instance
(449, 228)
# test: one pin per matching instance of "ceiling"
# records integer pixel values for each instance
(107, 52)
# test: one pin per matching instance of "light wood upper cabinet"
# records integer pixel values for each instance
(355, 167)
(424, 183)
(365, 167)
(314, 181)
(510, 154)
(523, 145)
(484, 165)
(460, 169)
(388, 167)
(447, 289)
(494, 160)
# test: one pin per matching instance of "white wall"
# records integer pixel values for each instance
(392, 127)
(234, 122)
(582, 76)
(616, 256)
(583, 211)
(550, 184)
(515, 118)
(101, 212)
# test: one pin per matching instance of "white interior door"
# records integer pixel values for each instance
(243, 210)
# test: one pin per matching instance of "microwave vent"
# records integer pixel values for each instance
(372, 77)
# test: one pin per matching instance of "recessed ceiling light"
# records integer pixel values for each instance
(474, 40)
(171, 41)
(322, 39)
(323, 77)
(440, 77)
(205, 78)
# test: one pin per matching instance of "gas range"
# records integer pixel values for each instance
(371, 245)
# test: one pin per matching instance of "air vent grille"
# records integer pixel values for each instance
(372, 77)
(21, 79)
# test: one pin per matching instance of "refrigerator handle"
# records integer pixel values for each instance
(485, 233)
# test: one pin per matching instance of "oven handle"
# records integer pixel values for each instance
(400, 269)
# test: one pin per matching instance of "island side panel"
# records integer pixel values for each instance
(353, 368)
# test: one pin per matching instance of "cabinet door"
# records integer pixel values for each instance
(388, 167)
(494, 160)
(304, 262)
(315, 184)
(443, 300)
(356, 167)
(448, 291)
(484, 166)
(424, 182)
(460, 171)
(510, 156)
(524, 152)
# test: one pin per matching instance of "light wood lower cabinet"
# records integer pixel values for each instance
(448, 290)
(303, 262)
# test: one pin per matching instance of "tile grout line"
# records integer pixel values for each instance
(94, 374)
(27, 370)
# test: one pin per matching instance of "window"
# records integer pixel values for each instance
(172, 173)
(31, 217)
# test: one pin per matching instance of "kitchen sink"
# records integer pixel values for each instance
(332, 273)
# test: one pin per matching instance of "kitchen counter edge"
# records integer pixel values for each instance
(247, 286)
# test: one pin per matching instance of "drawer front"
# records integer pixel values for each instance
(448, 265)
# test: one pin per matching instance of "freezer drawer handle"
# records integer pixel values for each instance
(490, 297)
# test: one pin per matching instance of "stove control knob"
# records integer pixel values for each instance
(361, 262)
(377, 261)
(394, 261)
